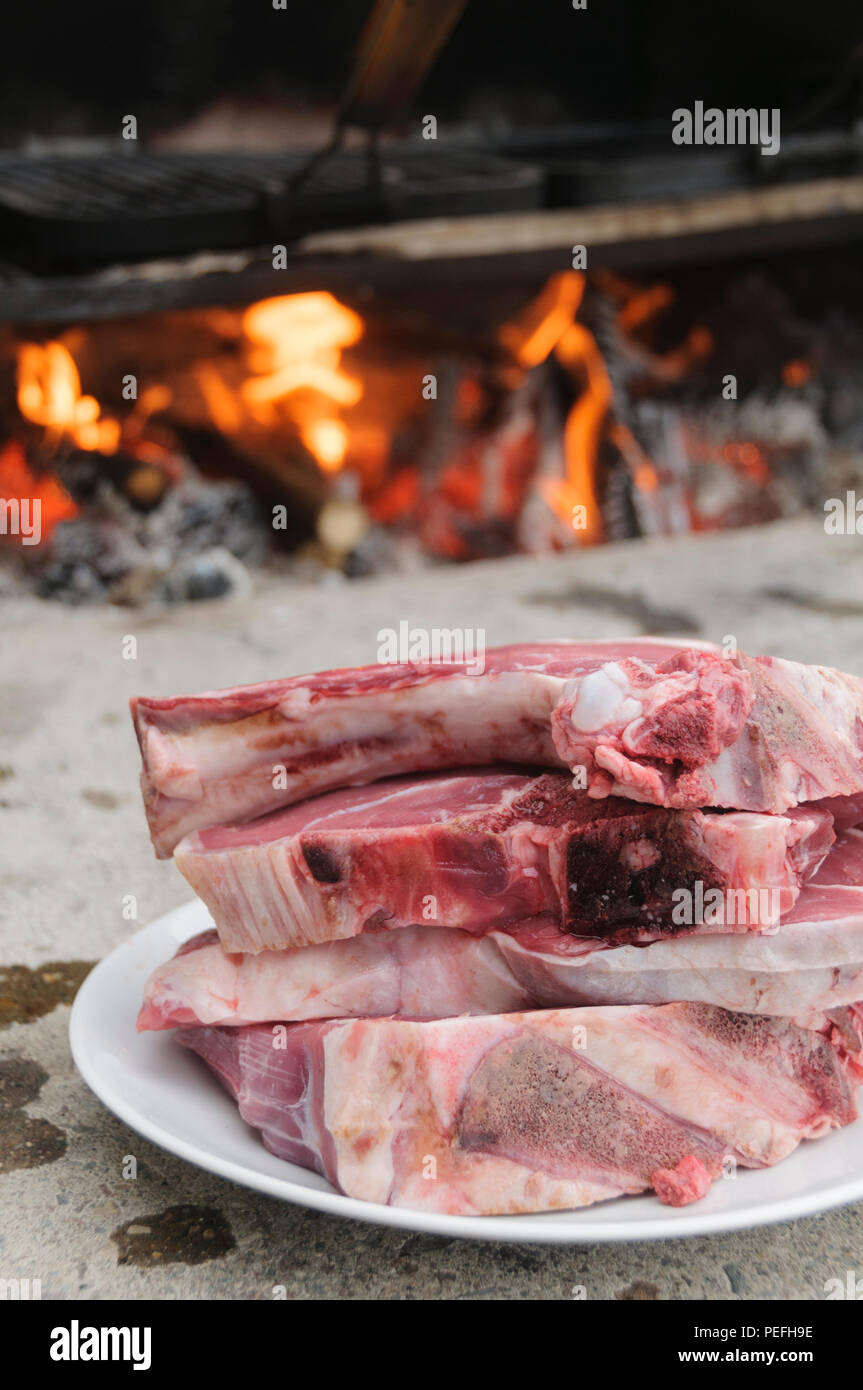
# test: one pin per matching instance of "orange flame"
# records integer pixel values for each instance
(642, 305)
(534, 335)
(49, 394)
(578, 351)
(222, 403)
(18, 481)
(296, 346)
(547, 326)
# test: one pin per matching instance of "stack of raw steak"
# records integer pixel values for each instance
(585, 924)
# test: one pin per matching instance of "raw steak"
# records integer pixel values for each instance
(537, 1111)
(813, 963)
(420, 972)
(845, 810)
(230, 755)
(483, 849)
(692, 729)
(698, 729)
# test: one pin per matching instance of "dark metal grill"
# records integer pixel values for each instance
(59, 211)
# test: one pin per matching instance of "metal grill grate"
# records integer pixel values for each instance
(57, 211)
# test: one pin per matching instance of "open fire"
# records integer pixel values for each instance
(160, 450)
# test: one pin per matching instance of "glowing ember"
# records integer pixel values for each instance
(47, 497)
(797, 372)
(49, 394)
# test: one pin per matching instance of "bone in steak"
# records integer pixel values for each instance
(233, 754)
(483, 849)
(813, 963)
(698, 729)
(537, 1111)
(419, 972)
(689, 729)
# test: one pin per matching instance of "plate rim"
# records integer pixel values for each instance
(547, 1228)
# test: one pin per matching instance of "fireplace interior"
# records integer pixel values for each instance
(282, 327)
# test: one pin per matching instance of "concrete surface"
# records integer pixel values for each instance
(73, 843)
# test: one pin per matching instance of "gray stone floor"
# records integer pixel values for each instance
(73, 842)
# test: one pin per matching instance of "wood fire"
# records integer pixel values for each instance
(590, 413)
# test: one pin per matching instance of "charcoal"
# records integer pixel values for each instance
(222, 514)
(212, 574)
(71, 582)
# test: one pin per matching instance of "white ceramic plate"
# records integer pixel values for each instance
(167, 1094)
